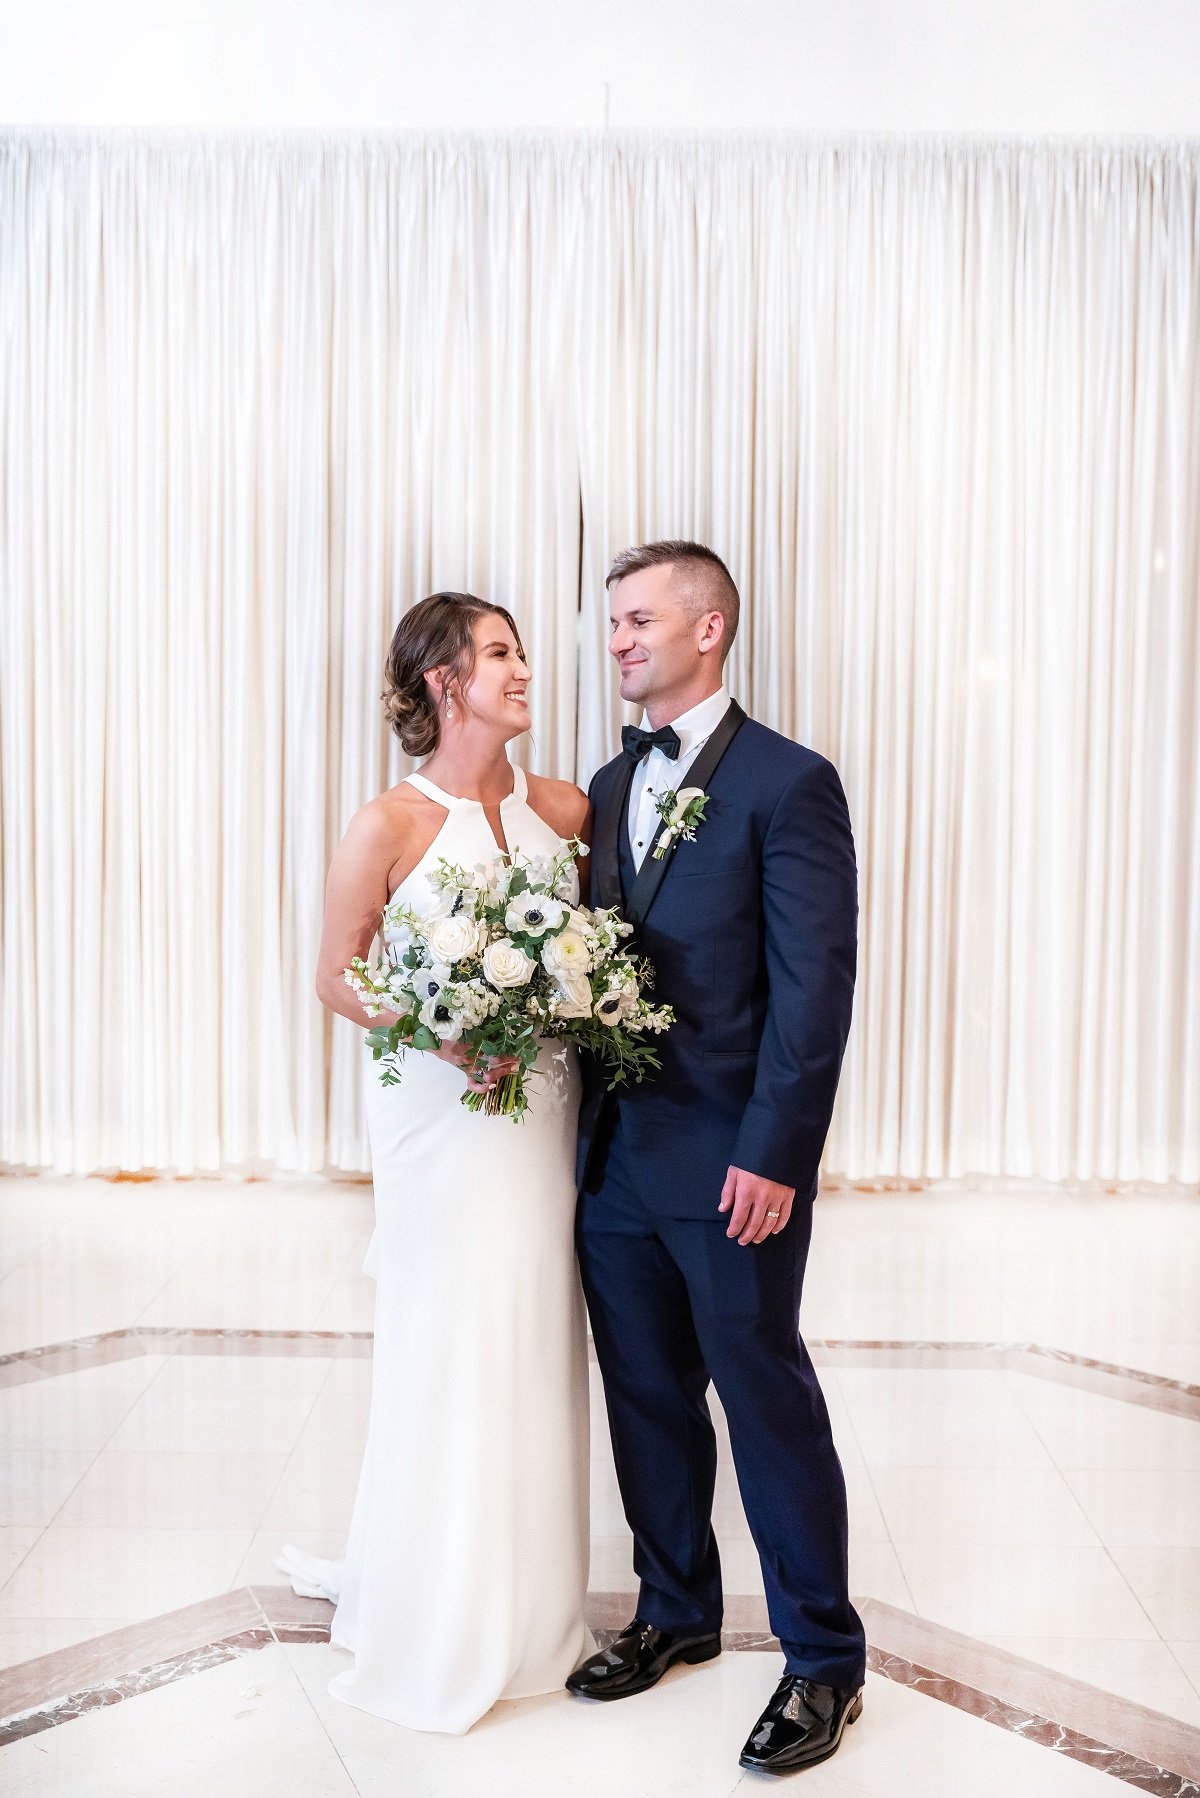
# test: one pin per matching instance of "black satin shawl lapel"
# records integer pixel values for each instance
(606, 870)
(652, 873)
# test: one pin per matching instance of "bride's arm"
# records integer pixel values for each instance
(356, 892)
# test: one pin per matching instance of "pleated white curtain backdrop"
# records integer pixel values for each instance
(937, 404)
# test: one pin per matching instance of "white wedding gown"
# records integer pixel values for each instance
(467, 1559)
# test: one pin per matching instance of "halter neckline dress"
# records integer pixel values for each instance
(467, 1560)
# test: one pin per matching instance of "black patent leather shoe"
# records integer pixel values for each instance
(802, 1725)
(637, 1660)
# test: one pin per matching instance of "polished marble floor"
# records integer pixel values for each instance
(1036, 1509)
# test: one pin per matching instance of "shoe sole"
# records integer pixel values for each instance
(691, 1657)
(852, 1716)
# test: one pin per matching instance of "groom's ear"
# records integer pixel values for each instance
(712, 637)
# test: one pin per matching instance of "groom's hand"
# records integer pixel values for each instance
(752, 1199)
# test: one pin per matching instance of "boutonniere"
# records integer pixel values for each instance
(682, 813)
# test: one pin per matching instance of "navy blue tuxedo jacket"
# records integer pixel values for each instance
(752, 931)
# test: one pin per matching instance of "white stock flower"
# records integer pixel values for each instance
(532, 914)
(491, 879)
(452, 939)
(572, 996)
(567, 953)
(505, 965)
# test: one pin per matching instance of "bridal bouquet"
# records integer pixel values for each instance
(503, 959)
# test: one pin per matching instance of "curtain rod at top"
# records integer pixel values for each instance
(629, 138)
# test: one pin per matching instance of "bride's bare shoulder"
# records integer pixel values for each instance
(387, 826)
(560, 802)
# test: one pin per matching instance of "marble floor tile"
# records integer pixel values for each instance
(15, 1544)
(83, 1314)
(983, 1435)
(1140, 1507)
(315, 1492)
(132, 1375)
(186, 1376)
(258, 1565)
(1023, 1590)
(337, 1424)
(44, 1414)
(251, 1419)
(1167, 1584)
(34, 1483)
(908, 1746)
(1176, 1360)
(127, 1573)
(936, 1315)
(685, 1736)
(920, 1386)
(980, 1505)
(24, 1638)
(1147, 1672)
(875, 1572)
(244, 1729)
(349, 1306)
(1188, 1656)
(348, 1374)
(126, 1487)
(189, 1299)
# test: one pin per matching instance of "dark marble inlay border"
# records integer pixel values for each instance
(1144, 1748)
(1042, 1730)
(1062, 1366)
(1151, 1752)
(55, 1688)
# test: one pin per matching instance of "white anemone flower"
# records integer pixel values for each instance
(533, 914)
(440, 1017)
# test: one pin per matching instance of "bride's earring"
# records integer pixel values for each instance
(449, 706)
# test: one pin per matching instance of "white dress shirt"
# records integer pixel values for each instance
(657, 773)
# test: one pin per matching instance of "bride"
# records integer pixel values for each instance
(467, 1559)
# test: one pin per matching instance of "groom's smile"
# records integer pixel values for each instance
(661, 643)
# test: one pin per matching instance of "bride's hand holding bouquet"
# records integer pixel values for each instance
(502, 961)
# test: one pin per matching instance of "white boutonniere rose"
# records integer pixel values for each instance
(505, 965)
(682, 813)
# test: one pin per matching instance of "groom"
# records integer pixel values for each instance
(697, 1188)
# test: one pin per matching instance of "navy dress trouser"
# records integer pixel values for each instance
(674, 1304)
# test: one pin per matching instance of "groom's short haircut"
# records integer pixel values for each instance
(701, 579)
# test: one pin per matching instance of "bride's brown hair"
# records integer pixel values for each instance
(437, 632)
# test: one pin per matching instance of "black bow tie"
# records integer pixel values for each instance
(638, 743)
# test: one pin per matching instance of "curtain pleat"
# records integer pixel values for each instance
(936, 402)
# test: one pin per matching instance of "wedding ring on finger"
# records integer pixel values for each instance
(772, 1214)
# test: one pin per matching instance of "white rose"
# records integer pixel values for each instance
(566, 953)
(683, 799)
(506, 965)
(572, 996)
(452, 939)
(533, 914)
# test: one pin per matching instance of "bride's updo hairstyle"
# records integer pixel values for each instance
(437, 632)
